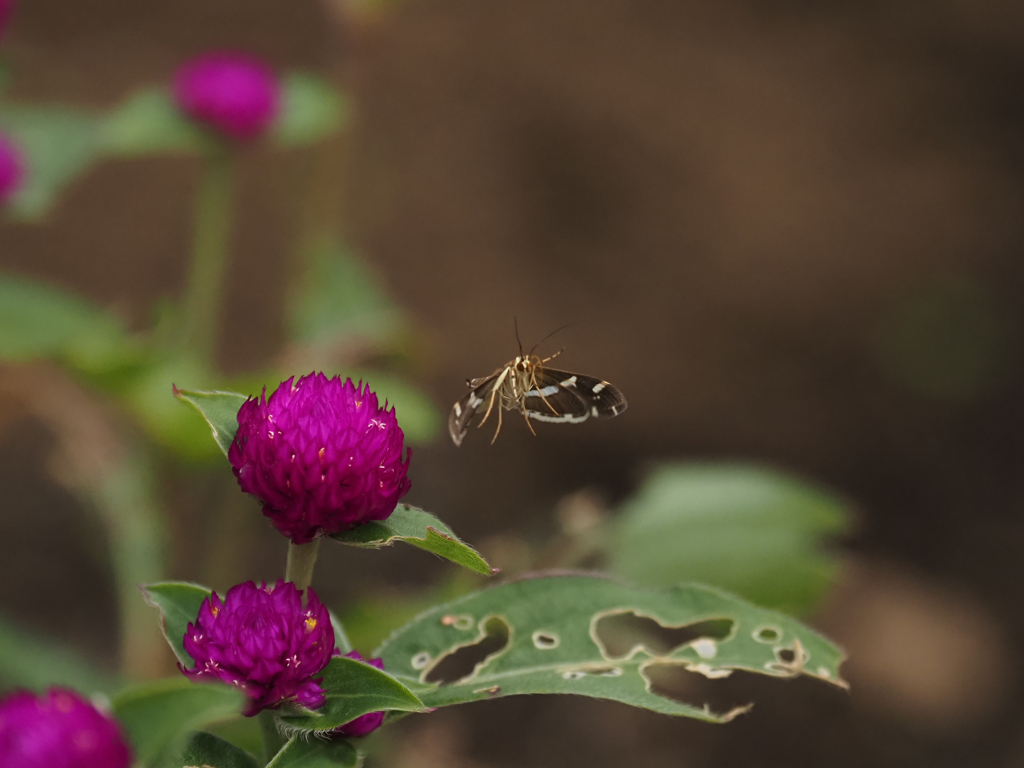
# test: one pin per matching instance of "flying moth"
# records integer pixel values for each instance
(527, 385)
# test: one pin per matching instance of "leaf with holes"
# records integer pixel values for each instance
(353, 688)
(753, 531)
(421, 529)
(565, 634)
(178, 603)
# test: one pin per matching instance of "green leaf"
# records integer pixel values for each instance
(220, 409)
(353, 688)
(178, 603)
(311, 110)
(747, 529)
(205, 749)
(339, 298)
(30, 660)
(41, 321)
(305, 752)
(421, 529)
(150, 123)
(158, 715)
(558, 634)
(57, 144)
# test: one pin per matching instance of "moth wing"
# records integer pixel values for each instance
(572, 398)
(552, 401)
(465, 409)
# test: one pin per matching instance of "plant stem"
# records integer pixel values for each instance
(209, 258)
(301, 559)
(272, 738)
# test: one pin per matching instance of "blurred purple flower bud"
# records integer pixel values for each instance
(12, 168)
(235, 93)
(369, 722)
(262, 640)
(58, 729)
(321, 455)
(6, 11)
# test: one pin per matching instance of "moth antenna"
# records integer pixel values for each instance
(515, 324)
(562, 328)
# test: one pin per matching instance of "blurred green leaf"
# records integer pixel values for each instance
(341, 641)
(243, 732)
(41, 321)
(744, 528)
(353, 688)
(158, 715)
(311, 109)
(220, 409)
(178, 603)
(304, 752)
(57, 144)
(205, 749)
(30, 660)
(150, 123)
(339, 298)
(547, 635)
(421, 529)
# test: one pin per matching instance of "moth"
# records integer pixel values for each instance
(527, 385)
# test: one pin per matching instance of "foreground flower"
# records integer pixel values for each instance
(234, 93)
(321, 455)
(12, 168)
(58, 729)
(262, 640)
(369, 722)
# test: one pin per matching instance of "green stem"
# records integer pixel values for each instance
(209, 258)
(301, 559)
(272, 738)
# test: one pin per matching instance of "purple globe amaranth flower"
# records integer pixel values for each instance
(321, 455)
(369, 722)
(262, 640)
(58, 729)
(233, 92)
(12, 168)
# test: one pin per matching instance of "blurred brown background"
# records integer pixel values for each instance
(791, 233)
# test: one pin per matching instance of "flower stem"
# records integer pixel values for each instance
(209, 258)
(301, 559)
(272, 738)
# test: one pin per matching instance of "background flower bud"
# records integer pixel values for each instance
(6, 11)
(262, 640)
(321, 455)
(12, 166)
(58, 729)
(234, 93)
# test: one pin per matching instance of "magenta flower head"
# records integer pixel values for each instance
(58, 729)
(321, 455)
(234, 93)
(12, 168)
(369, 722)
(262, 640)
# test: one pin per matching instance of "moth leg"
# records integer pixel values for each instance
(537, 388)
(494, 393)
(499, 427)
(527, 417)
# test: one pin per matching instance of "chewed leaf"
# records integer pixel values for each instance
(353, 688)
(421, 529)
(220, 409)
(586, 635)
(178, 603)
